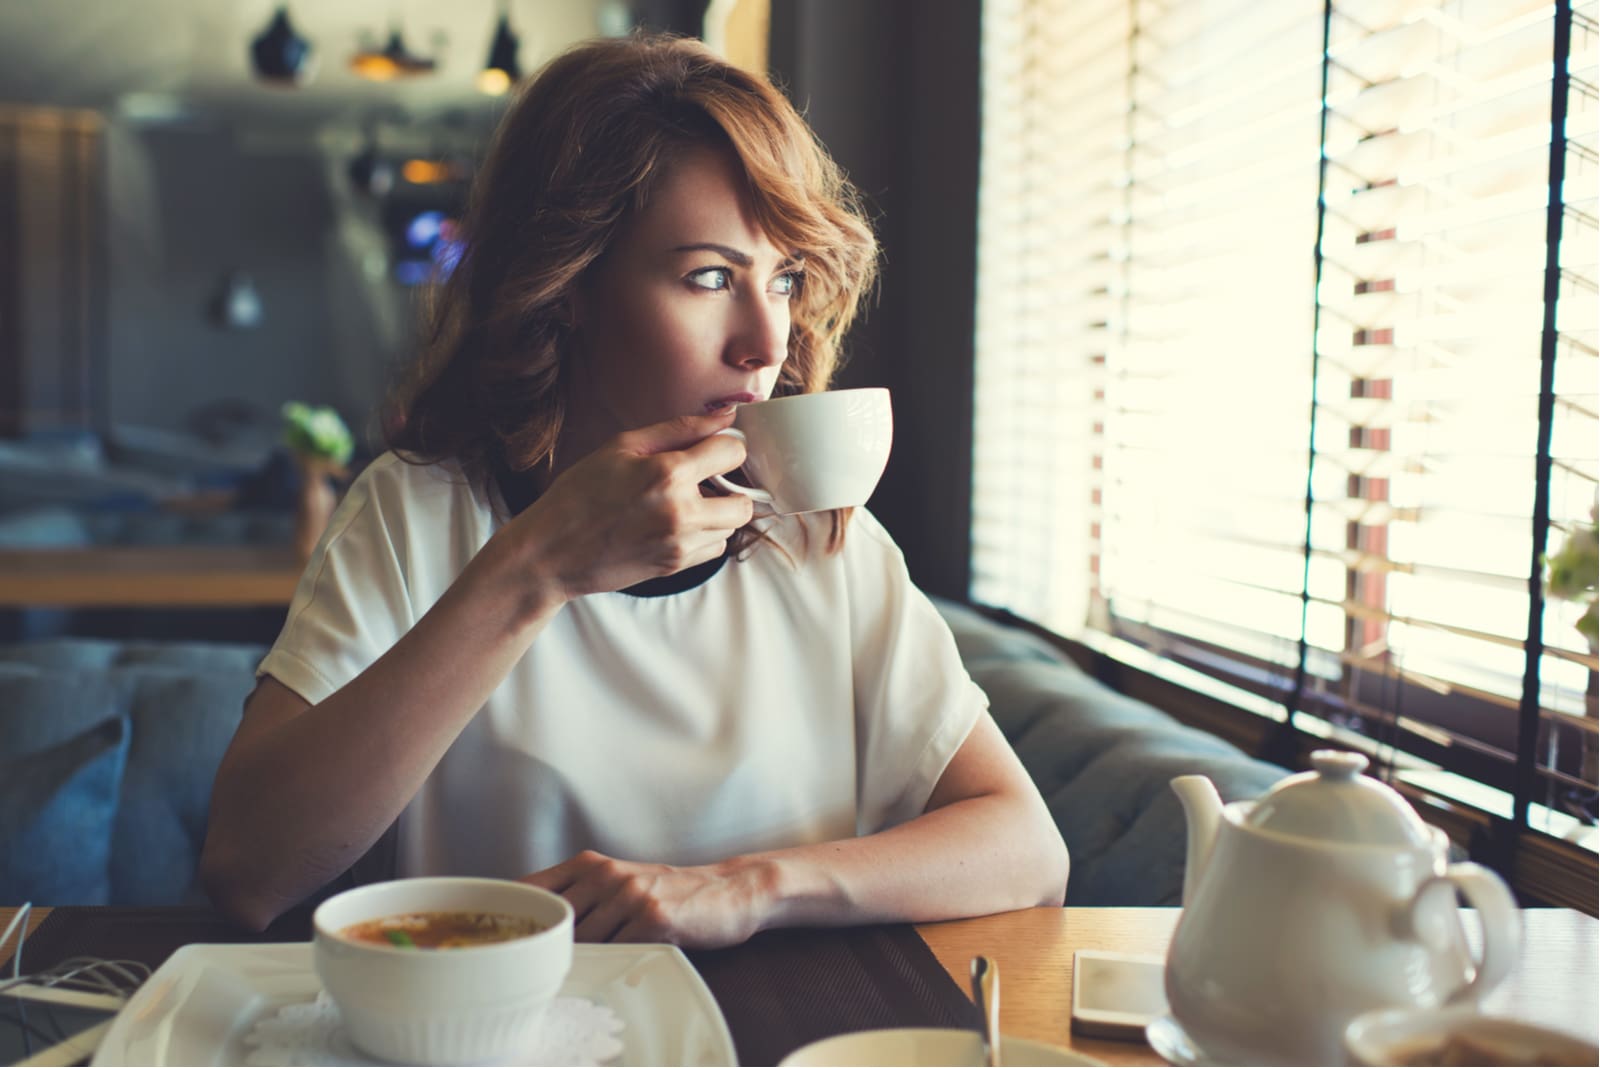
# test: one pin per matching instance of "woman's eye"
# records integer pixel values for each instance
(711, 278)
(787, 284)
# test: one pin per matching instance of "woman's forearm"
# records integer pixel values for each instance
(299, 797)
(976, 856)
(985, 843)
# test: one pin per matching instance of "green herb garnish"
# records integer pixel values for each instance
(400, 938)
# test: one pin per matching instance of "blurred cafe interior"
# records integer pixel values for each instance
(1243, 353)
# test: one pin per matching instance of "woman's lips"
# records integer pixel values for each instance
(724, 403)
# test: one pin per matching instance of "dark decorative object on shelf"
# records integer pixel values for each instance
(394, 61)
(281, 55)
(502, 70)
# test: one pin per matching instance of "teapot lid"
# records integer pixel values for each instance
(1336, 803)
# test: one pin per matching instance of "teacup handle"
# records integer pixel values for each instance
(753, 492)
(1502, 923)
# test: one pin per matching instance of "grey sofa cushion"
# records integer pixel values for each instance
(181, 702)
(182, 722)
(1104, 762)
(57, 808)
(63, 749)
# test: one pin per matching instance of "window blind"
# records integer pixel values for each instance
(1429, 379)
(1297, 381)
(1054, 112)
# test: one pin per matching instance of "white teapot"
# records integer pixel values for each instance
(1326, 898)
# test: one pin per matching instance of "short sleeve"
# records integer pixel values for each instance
(353, 601)
(915, 702)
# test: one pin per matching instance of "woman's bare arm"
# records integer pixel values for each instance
(985, 843)
(304, 790)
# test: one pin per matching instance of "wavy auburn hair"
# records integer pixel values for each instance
(578, 154)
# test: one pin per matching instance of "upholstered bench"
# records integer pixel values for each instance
(1103, 762)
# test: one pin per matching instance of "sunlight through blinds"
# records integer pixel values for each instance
(1265, 366)
(1433, 299)
(1206, 424)
(1055, 112)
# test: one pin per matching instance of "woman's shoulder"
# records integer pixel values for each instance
(393, 478)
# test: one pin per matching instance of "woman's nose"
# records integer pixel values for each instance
(761, 337)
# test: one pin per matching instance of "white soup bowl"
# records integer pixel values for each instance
(466, 1005)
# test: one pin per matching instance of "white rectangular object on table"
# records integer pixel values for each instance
(1116, 995)
(201, 1004)
(80, 1017)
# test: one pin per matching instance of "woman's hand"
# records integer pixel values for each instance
(632, 510)
(620, 901)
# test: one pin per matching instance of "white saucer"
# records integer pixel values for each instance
(910, 1046)
(201, 1004)
(1173, 1044)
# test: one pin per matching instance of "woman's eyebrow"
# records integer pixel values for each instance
(738, 258)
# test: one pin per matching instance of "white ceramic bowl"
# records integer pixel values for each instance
(1401, 1036)
(469, 1005)
(924, 1046)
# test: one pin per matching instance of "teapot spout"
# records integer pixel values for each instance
(1202, 807)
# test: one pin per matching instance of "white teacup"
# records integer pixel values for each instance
(812, 452)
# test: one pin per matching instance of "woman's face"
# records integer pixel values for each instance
(688, 311)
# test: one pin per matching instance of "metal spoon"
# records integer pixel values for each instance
(986, 995)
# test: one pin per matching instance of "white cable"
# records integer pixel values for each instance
(20, 920)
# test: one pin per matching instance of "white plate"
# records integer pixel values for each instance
(199, 1006)
(925, 1045)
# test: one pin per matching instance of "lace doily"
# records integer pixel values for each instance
(575, 1031)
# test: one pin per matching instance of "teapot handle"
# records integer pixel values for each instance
(1497, 909)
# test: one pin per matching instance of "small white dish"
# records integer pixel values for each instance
(1173, 1044)
(1467, 1034)
(201, 1004)
(911, 1046)
(473, 1004)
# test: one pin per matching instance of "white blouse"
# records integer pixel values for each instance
(794, 697)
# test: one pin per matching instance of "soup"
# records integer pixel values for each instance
(442, 930)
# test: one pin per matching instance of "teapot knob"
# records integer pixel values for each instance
(1338, 763)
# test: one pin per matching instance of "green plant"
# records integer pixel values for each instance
(317, 433)
(1571, 574)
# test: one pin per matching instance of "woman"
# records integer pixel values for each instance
(536, 647)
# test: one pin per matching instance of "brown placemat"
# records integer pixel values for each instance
(779, 991)
(783, 989)
(146, 934)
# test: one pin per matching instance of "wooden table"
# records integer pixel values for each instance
(1556, 982)
(149, 576)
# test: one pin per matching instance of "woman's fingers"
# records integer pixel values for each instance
(614, 910)
(716, 455)
(606, 895)
(626, 513)
(725, 514)
(673, 435)
(563, 877)
(620, 901)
